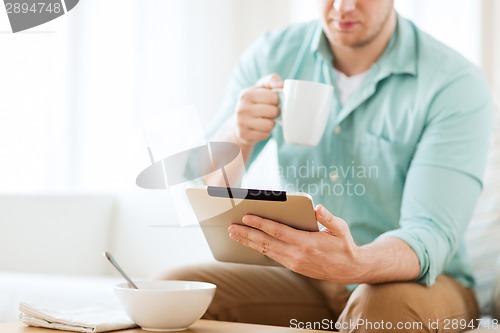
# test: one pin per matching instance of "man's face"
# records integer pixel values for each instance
(354, 23)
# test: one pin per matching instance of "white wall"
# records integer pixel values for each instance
(455, 23)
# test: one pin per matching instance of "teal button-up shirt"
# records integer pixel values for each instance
(404, 157)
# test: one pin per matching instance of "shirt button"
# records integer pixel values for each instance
(334, 176)
(337, 130)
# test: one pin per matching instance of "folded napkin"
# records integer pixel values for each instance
(98, 318)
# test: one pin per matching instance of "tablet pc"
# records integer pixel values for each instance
(218, 207)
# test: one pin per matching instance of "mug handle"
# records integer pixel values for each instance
(278, 120)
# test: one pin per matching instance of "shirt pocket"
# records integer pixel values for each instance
(391, 158)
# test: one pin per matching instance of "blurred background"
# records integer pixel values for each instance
(77, 94)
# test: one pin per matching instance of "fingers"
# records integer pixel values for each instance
(258, 96)
(249, 136)
(274, 229)
(256, 109)
(335, 225)
(256, 239)
(251, 110)
(254, 118)
(270, 81)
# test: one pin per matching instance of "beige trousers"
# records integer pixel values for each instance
(277, 296)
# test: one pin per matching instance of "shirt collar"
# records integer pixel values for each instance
(320, 45)
(399, 57)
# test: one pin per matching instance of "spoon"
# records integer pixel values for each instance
(119, 269)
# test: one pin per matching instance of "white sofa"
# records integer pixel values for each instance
(483, 234)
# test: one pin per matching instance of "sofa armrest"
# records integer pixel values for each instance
(496, 294)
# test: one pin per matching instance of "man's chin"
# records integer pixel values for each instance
(346, 39)
(349, 42)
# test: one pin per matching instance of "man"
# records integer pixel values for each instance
(391, 257)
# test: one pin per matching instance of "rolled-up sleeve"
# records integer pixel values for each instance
(445, 176)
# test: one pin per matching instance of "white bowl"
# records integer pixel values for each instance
(165, 305)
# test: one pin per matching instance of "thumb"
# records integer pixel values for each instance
(333, 224)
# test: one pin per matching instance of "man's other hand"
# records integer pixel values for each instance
(257, 109)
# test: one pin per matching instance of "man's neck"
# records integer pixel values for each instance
(356, 60)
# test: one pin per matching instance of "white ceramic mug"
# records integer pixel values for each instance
(305, 107)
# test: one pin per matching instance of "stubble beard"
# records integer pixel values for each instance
(369, 39)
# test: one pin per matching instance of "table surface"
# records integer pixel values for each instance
(201, 326)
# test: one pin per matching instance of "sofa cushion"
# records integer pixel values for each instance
(483, 233)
